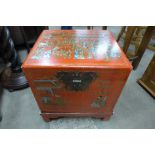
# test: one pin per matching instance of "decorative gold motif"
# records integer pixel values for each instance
(54, 84)
(99, 102)
(46, 100)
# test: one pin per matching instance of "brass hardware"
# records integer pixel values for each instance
(46, 100)
(55, 83)
(100, 102)
(47, 89)
(76, 80)
(45, 81)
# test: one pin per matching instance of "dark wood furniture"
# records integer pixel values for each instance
(1, 93)
(151, 45)
(12, 77)
(66, 27)
(25, 35)
(148, 79)
(91, 27)
(76, 73)
(133, 36)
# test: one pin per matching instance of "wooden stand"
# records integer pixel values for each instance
(52, 116)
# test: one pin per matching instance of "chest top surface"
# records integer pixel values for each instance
(76, 48)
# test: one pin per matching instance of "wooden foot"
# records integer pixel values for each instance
(46, 118)
(49, 118)
(106, 118)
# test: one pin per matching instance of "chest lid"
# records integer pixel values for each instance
(76, 48)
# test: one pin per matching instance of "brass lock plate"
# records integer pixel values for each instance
(76, 81)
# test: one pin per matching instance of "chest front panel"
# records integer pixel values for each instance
(74, 90)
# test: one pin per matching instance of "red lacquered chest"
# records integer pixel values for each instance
(76, 73)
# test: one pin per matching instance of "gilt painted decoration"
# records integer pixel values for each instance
(75, 46)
